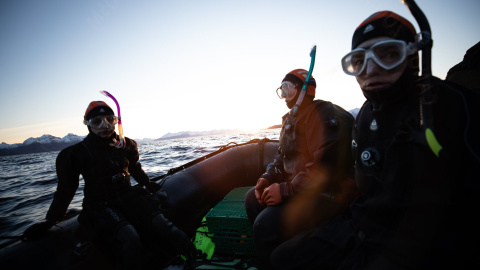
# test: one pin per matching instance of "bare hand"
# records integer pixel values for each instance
(262, 183)
(271, 195)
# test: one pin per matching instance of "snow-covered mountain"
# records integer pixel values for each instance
(354, 112)
(43, 139)
(47, 139)
(185, 134)
(41, 144)
(8, 146)
(72, 138)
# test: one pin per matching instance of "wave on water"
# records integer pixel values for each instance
(29, 180)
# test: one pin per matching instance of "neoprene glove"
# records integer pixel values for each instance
(271, 195)
(37, 230)
(262, 183)
(162, 196)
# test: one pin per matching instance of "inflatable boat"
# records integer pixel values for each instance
(192, 190)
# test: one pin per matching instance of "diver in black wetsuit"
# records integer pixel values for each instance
(113, 211)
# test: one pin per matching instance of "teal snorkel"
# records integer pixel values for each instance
(294, 110)
(121, 143)
(426, 96)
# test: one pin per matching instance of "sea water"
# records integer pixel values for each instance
(28, 181)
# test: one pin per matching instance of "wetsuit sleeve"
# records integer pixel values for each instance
(134, 166)
(68, 173)
(328, 132)
(274, 172)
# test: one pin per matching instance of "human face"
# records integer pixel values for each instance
(105, 129)
(101, 120)
(374, 77)
(287, 91)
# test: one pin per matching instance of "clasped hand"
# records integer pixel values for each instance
(267, 194)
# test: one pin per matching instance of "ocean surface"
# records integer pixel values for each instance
(29, 181)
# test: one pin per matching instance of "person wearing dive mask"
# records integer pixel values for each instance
(419, 184)
(115, 213)
(314, 149)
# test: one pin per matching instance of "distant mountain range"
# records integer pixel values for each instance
(354, 112)
(186, 134)
(44, 143)
(48, 143)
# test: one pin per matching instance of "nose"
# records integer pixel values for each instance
(371, 67)
(105, 124)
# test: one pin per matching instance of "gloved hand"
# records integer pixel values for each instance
(262, 183)
(271, 195)
(152, 186)
(162, 196)
(37, 230)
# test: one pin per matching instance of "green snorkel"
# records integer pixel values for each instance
(426, 96)
(294, 110)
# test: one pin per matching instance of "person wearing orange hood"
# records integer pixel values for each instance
(114, 212)
(313, 155)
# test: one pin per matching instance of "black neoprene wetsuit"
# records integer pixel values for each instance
(98, 163)
(118, 214)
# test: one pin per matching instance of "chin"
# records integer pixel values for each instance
(105, 135)
(371, 90)
(376, 88)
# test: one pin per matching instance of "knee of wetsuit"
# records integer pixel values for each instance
(128, 236)
(267, 224)
(129, 253)
(252, 206)
(160, 223)
(250, 199)
(257, 228)
(173, 235)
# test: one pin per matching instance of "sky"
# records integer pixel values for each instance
(189, 65)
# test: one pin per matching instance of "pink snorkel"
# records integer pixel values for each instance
(121, 143)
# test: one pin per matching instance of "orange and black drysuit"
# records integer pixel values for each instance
(314, 158)
(314, 144)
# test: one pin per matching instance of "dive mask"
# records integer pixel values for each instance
(388, 54)
(285, 89)
(100, 121)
